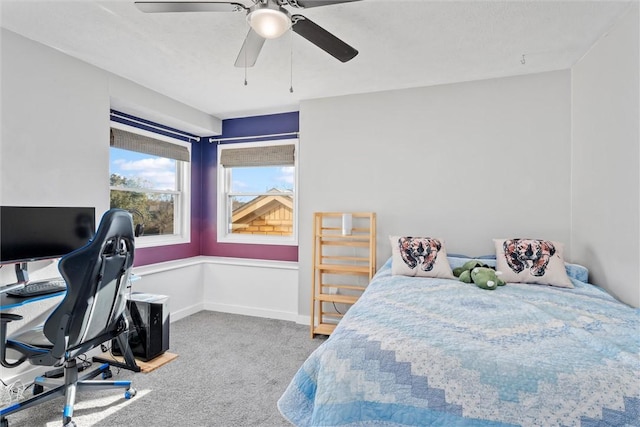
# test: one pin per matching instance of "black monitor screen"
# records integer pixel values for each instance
(29, 233)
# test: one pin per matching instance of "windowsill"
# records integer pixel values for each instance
(254, 241)
(157, 241)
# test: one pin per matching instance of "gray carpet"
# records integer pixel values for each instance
(230, 371)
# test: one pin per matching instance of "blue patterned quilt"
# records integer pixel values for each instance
(438, 352)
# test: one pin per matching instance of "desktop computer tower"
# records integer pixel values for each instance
(148, 317)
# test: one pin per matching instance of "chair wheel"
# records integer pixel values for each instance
(107, 374)
(70, 424)
(4, 422)
(37, 389)
(130, 393)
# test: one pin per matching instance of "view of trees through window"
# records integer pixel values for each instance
(148, 184)
(156, 207)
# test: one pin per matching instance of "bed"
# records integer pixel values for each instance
(417, 351)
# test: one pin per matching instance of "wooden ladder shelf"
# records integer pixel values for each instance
(343, 265)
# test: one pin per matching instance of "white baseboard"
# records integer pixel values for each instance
(251, 311)
(186, 311)
(303, 319)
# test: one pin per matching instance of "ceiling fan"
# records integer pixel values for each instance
(268, 19)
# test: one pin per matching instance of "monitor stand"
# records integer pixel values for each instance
(21, 272)
(22, 275)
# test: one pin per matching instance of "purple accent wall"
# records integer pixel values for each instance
(240, 127)
(153, 255)
(204, 198)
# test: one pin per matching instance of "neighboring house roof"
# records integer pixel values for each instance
(262, 205)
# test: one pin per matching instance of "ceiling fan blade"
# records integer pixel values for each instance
(196, 6)
(316, 3)
(250, 50)
(322, 38)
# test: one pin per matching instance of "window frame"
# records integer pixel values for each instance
(182, 194)
(223, 188)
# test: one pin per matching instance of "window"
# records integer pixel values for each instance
(150, 177)
(257, 200)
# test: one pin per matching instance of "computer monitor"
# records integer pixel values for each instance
(32, 233)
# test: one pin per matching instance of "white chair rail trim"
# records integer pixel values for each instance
(201, 260)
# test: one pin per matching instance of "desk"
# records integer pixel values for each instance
(13, 310)
(10, 287)
(7, 302)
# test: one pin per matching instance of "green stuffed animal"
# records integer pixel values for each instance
(480, 274)
(486, 278)
(464, 272)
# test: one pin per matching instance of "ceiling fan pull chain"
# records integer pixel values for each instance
(245, 67)
(291, 62)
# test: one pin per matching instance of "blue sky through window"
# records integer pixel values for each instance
(262, 179)
(154, 172)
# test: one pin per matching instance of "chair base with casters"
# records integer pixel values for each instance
(92, 312)
(72, 381)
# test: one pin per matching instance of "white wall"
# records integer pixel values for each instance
(180, 280)
(606, 161)
(466, 162)
(55, 128)
(252, 287)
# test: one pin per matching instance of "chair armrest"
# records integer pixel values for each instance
(4, 319)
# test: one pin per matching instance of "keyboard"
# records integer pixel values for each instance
(44, 287)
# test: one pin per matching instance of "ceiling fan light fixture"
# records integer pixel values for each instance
(269, 23)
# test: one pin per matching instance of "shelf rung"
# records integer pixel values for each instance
(349, 287)
(342, 299)
(345, 258)
(343, 237)
(354, 230)
(339, 214)
(346, 273)
(343, 267)
(363, 245)
(337, 316)
(324, 328)
(333, 269)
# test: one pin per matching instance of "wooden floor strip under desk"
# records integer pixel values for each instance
(148, 366)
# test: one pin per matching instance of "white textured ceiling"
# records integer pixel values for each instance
(402, 44)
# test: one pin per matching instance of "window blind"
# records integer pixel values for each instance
(275, 155)
(144, 144)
